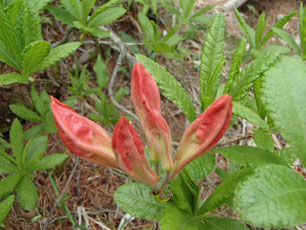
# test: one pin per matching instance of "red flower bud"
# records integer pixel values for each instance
(146, 99)
(130, 153)
(83, 136)
(204, 133)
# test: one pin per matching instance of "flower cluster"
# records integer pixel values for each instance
(125, 150)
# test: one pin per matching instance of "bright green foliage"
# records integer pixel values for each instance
(136, 199)
(303, 30)
(78, 13)
(21, 165)
(169, 86)
(272, 197)
(202, 167)
(263, 140)
(214, 223)
(288, 39)
(41, 114)
(212, 60)
(284, 100)
(5, 207)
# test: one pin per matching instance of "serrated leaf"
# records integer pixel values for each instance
(34, 56)
(8, 184)
(71, 8)
(27, 193)
(36, 149)
(8, 58)
(202, 11)
(136, 199)
(37, 101)
(261, 26)
(102, 8)
(39, 5)
(302, 29)
(34, 131)
(247, 155)
(242, 111)
(272, 197)
(48, 162)
(169, 86)
(246, 30)
(6, 166)
(5, 207)
(100, 69)
(263, 140)
(288, 39)
(10, 78)
(211, 59)
(61, 14)
(283, 95)
(147, 27)
(25, 113)
(214, 223)
(187, 7)
(107, 17)
(59, 53)
(16, 140)
(225, 191)
(202, 167)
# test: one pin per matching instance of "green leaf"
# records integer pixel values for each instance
(288, 39)
(202, 167)
(247, 155)
(27, 193)
(48, 162)
(36, 148)
(34, 56)
(212, 59)
(8, 184)
(284, 93)
(10, 78)
(214, 223)
(25, 113)
(202, 11)
(242, 111)
(272, 197)
(247, 31)
(7, 57)
(5, 207)
(261, 26)
(136, 199)
(37, 101)
(39, 5)
(224, 191)
(6, 166)
(257, 95)
(187, 6)
(263, 140)
(147, 27)
(185, 192)
(59, 53)
(169, 86)
(61, 14)
(279, 24)
(71, 8)
(235, 67)
(303, 29)
(176, 219)
(107, 17)
(100, 69)
(34, 131)
(103, 8)
(16, 140)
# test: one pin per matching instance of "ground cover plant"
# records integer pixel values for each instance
(171, 122)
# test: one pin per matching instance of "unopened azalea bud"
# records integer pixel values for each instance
(146, 99)
(83, 136)
(204, 133)
(130, 153)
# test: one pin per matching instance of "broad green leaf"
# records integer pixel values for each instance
(202, 11)
(246, 30)
(59, 53)
(137, 200)
(225, 191)
(5, 207)
(27, 193)
(107, 17)
(279, 24)
(36, 148)
(6, 166)
(283, 95)
(100, 69)
(16, 140)
(185, 192)
(34, 56)
(169, 86)
(61, 14)
(202, 167)
(37, 101)
(261, 26)
(187, 7)
(8, 184)
(303, 29)
(48, 162)
(8, 58)
(242, 111)
(10, 78)
(25, 113)
(247, 155)
(103, 8)
(176, 219)
(212, 59)
(87, 7)
(263, 140)
(214, 223)
(288, 39)
(147, 27)
(39, 5)
(34, 131)
(273, 197)
(235, 67)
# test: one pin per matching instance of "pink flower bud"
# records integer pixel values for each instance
(83, 136)
(204, 133)
(146, 99)
(130, 153)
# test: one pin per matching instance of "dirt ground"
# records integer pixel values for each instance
(90, 191)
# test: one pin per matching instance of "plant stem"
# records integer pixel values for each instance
(166, 180)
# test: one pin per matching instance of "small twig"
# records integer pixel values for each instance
(62, 194)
